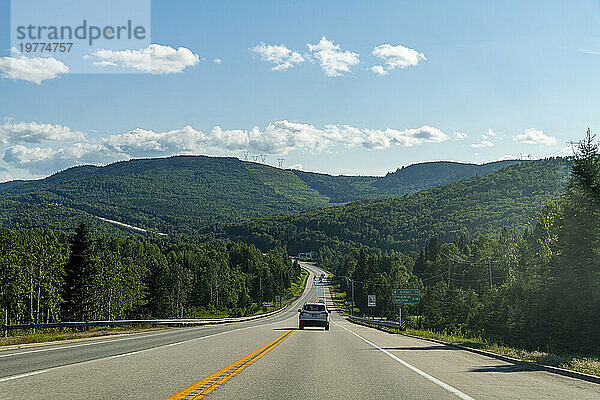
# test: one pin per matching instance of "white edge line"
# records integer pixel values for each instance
(414, 369)
(90, 343)
(10, 378)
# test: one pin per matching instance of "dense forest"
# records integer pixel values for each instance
(47, 276)
(405, 180)
(185, 193)
(535, 288)
(478, 205)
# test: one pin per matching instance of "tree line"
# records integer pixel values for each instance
(535, 288)
(48, 276)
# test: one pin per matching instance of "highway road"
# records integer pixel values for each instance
(270, 359)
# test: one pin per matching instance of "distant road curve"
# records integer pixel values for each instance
(135, 228)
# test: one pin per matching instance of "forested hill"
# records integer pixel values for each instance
(405, 180)
(186, 193)
(477, 205)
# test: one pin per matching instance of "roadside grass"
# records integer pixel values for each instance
(55, 334)
(586, 365)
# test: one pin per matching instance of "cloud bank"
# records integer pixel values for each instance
(67, 147)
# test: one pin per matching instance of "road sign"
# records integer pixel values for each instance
(371, 300)
(277, 298)
(410, 296)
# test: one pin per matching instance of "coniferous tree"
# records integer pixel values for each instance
(78, 274)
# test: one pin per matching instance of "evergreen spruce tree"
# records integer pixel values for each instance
(78, 274)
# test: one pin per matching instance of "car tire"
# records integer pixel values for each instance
(327, 327)
(300, 326)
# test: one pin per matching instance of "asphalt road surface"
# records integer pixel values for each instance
(270, 359)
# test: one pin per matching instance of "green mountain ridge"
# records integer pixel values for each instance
(478, 205)
(183, 194)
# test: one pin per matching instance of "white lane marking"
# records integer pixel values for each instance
(152, 348)
(414, 369)
(125, 354)
(84, 344)
(10, 378)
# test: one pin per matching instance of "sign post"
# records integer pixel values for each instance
(400, 317)
(371, 302)
(405, 296)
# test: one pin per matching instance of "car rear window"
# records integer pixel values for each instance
(314, 307)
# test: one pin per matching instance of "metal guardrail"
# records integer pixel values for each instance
(154, 322)
(388, 324)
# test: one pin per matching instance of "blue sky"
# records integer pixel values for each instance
(522, 74)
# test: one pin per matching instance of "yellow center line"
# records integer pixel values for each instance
(201, 388)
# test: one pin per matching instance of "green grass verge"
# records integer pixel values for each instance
(586, 365)
(54, 334)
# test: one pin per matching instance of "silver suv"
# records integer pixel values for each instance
(313, 314)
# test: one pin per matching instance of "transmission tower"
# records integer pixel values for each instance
(280, 162)
(263, 157)
(246, 155)
(573, 145)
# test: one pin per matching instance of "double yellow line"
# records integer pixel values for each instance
(201, 388)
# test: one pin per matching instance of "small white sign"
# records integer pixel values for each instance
(371, 300)
(277, 299)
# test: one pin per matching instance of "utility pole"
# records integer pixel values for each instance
(352, 312)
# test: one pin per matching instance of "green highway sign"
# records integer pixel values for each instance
(411, 296)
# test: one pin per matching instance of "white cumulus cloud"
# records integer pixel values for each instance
(378, 69)
(381, 139)
(277, 138)
(44, 160)
(282, 57)
(460, 135)
(333, 60)
(34, 132)
(535, 136)
(155, 59)
(140, 142)
(395, 57)
(31, 69)
(484, 143)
